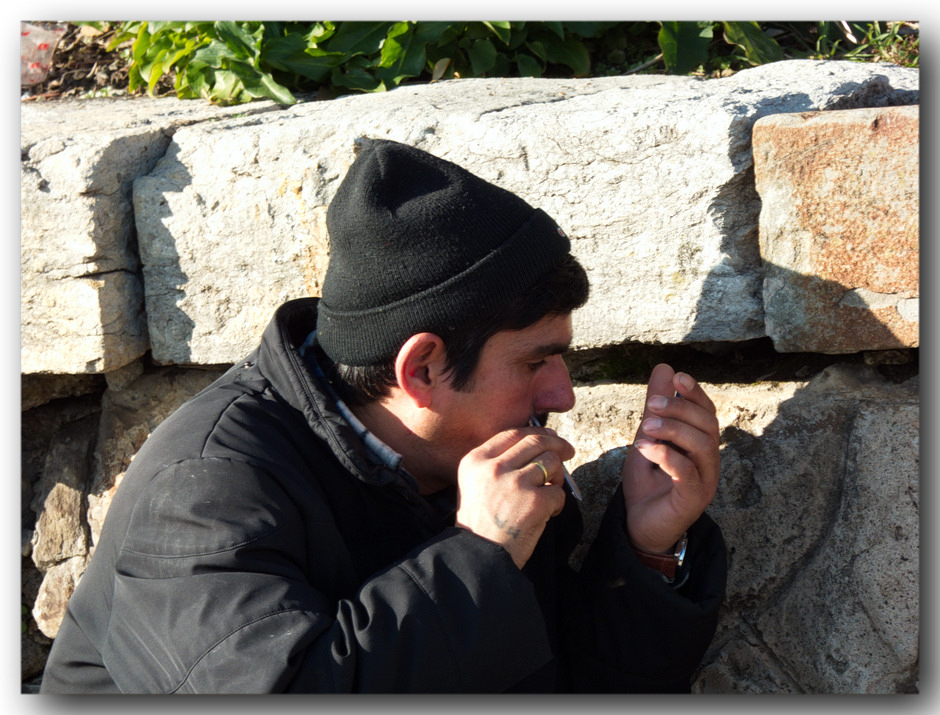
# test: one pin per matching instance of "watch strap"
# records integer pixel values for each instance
(665, 564)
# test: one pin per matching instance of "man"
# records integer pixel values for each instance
(363, 505)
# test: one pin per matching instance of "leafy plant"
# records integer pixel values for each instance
(896, 42)
(888, 44)
(232, 62)
(687, 45)
(220, 61)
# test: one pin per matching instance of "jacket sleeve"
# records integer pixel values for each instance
(213, 595)
(624, 629)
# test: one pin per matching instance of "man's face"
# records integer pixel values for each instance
(520, 373)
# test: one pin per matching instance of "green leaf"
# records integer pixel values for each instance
(320, 32)
(183, 52)
(684, 45)
(528, 65)
(557, 27)
(502, 67)
(127, 32)
(142, 43)
(431, 32)
(482, 57)
(501, 29)
(588, 29)
(476, 31)
(519, 35)
(357, 75)
(241, 42)
(569, 52)
(758, 47)
(538, 49)
(290, 53)
(358, 79)
(213, 54)
(195, 80)
(261, 84)
(355, 38)
(403, 55)
(153, 72)
(225, 85)
(134, 80)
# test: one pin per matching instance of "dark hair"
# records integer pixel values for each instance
(558, 292)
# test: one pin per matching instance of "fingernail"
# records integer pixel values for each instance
(658, 402)
(641, 443)
(687, 382)
(652, 424)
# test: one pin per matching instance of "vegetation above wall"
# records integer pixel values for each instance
(233, 62)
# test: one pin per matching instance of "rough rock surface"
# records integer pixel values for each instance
(651, 177)
(82, 308)
(839, 228)
(819, 506)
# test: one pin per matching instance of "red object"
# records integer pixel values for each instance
(37, 44)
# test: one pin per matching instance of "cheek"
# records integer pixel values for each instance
(505, 407)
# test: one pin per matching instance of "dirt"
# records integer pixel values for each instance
(82, 65)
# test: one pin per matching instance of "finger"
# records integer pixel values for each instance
(550, 480)
(675, 465)
(681, 435)
(547, 469)
(678, 437)
(531, 445)
(498, 444)
(682, 469)
(684, 410)
(688, 388)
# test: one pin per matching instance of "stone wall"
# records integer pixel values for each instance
(760, 228)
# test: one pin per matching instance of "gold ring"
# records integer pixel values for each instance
(544, 472)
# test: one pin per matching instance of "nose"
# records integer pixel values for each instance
(554, 391)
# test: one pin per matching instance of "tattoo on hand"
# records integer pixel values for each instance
(513, 531)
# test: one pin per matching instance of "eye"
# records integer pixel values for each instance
(533, 366)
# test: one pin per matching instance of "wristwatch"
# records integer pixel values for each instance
(665, 564)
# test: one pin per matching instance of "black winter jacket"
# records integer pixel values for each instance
(254, 547)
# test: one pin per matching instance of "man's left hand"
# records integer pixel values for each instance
(670, 475)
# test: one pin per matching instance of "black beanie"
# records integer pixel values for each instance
(418, 244)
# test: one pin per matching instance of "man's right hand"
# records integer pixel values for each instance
(504, 495)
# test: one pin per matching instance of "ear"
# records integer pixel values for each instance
(419, 367)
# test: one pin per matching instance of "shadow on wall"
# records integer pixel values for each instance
(121, 297)
(820, 512)
(819, 505)
(163, 276)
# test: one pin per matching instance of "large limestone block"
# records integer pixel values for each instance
(81, 291)
(839, 228)
(818, 502)
(651, 177)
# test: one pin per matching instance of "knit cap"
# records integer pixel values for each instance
(418, 244)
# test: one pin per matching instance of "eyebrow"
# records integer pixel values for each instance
(543, 350)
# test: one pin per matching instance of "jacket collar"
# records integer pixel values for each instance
(280, 361)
